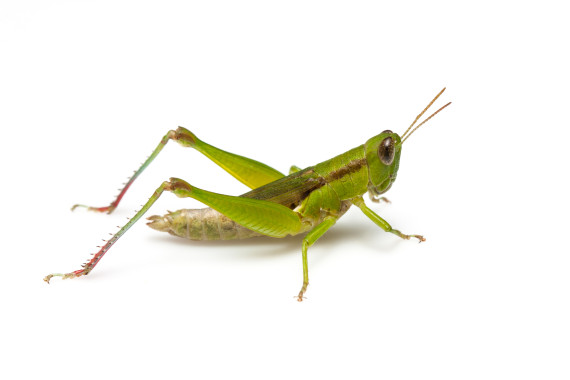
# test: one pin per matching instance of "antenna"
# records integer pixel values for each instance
(421, 113)
(425, 121)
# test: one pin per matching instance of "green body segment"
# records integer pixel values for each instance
(343, 177)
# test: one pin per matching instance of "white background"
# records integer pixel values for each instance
(88, 88)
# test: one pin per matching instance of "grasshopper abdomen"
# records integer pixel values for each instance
(200, 224)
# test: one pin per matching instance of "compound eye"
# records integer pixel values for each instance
(386, 151)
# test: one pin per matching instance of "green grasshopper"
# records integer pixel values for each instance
(307, 200)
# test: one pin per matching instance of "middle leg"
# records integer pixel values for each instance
(309, 240)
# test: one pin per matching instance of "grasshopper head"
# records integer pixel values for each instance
(383, 158)
(383, 154)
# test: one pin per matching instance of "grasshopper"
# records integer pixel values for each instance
(307, 200)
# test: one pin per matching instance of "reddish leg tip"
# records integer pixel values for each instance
(77, 273)
(108, 209)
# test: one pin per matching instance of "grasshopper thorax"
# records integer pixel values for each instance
(383, 159)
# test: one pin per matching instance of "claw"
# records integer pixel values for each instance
(419, 237)
(300, 297)
(65, 276)
(376, 199)
(108, 209)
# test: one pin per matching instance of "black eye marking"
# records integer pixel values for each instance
(386, 151)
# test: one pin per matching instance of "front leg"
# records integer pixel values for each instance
(359, 202)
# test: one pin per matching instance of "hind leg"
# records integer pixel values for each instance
(261, 216)
(248, 171)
